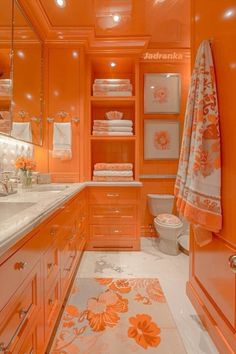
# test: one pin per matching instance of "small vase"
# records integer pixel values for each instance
(26, 179)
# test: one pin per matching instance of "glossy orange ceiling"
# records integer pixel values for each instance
(166, 21)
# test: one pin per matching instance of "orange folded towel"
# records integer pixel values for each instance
(113, 166)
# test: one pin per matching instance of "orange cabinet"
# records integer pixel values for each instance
(52, 306)
(63, 105)
(39, 274)
(21, 312)
(114, 218)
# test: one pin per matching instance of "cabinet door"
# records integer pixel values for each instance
(24, 308)
(212, 271)
(63, 96)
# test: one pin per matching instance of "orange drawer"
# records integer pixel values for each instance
(34, 342)
(112, 232)
(103, 214)
(22, 310)
(16, 268)
(102, 195)
(69, 261)
(52, 307)
(114, 244)
(51, 265)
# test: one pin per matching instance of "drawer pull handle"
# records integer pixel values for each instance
(50, 301)
(53, 231)
(23, 313)
(232, 263)
(20, 265)
(3, 348)
(50, 265)
(113, 195)
(116, 231)
(71, 266)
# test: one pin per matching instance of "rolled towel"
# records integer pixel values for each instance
(113, 173)
(113, 123)
(112, 129)
(113, 166)
(101, 133)
(112, 115)
(112, 179)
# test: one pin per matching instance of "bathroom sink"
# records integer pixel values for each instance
(49, 188)
(9, 209)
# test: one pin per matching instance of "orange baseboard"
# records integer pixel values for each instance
(216, 334)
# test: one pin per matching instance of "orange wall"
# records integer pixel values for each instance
(213, 22)
(160, 167)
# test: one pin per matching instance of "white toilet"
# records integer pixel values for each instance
(167, 225)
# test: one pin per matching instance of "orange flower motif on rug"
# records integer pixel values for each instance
(117, 316)
(103, 311)
(144, 331)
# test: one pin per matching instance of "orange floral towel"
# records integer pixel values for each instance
(198, 183)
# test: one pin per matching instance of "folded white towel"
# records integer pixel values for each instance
(112, 93)
(112, 129)
(22, 131)
(106, 173)
(62, 141)
(114, 123)
(112, 81)
(101, 133)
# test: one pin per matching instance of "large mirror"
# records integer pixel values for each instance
(24, 107)
(6, 13)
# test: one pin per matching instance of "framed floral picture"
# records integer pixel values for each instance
(161, 139)
(161, 93)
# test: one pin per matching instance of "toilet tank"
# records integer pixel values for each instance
(160, 203)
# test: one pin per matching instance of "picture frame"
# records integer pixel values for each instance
(162, 93)
(161, 139)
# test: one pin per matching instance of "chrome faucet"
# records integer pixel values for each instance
(4, 191)
(6, 185)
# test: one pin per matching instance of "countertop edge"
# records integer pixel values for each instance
(18, 235)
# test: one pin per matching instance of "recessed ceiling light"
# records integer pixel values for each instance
(75, 54)
(113, 64)
(229, 13)
(116, 18)
(20, 54)
(29, 96)
(61, 3)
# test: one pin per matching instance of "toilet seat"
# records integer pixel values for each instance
(168, 220)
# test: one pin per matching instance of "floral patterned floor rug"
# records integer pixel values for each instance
(117, 316)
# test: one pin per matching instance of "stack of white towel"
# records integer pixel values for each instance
(113, 172)
(115, 127)
(112, 87)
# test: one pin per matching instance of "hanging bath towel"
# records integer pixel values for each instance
(198, 183)
(62, 141)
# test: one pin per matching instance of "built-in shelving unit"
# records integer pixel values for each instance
(113, 149)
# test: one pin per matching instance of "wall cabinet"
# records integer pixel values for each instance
(103, 146)
(39, 274)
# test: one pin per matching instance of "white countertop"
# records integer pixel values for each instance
(45, 203)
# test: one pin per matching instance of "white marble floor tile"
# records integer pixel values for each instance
(172, 271)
